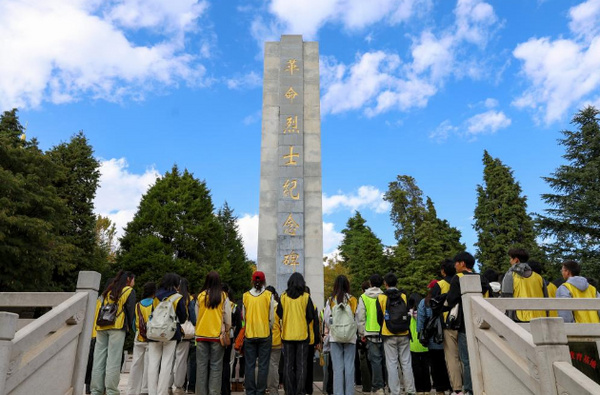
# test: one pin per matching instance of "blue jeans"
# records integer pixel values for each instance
(257, 349)
(463, 353)
(375, 354)
(342, 359)
(209, 357)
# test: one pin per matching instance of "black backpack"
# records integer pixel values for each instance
(397, 318)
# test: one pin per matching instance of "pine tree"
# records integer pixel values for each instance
(174, 230)
(31, 213)
(76, 185)
(573, 220)
(501, 219)
(424, 240)
(361, 251)
(237, 270)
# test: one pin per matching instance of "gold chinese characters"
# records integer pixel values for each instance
(292, 66)
(290, 227)
(288, 189)
(291, 259)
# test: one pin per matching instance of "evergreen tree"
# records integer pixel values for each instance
(174, 230)
(236, 270)
(331, 269)
(573, 219)
(31, 213)
(361, 251)
(424, 240)
(501, 219)
(76, 185)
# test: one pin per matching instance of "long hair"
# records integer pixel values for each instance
(295, 285)
(213, 288)
(184, 290)
(116, 286)
(170, 282)
(413, 300)
(428, 296)
(341, 287)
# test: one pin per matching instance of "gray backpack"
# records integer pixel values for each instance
(342, 325)
(162, 323)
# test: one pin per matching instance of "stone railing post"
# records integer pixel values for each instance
(86, 282)
(551, 346)
(8, 327)
(470, 286)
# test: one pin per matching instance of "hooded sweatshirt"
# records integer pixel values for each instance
(361, 312)
(582, 289)
(522, 282)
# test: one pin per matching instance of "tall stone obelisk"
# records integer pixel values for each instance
(290, 227)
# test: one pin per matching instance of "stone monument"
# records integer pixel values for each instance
(290, 226)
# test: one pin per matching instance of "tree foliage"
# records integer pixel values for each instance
(236, 270)
(76, 185)
(361, 251)
(423, 239)
(32, 244)
(501, 219)
(332, 268)
(572, 222)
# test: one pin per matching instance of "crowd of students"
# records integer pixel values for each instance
(374, 341)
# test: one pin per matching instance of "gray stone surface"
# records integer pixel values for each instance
(291, 63)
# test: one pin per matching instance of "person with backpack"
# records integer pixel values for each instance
(115, 317)
(369, 331)
(435, 347)
(257, 312)
(138, 373)
(180, 369)
(341, 326)
(297, 312)
(394, 319)
(212, 324)
(164, 332)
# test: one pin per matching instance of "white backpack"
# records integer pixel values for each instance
(342, 325)
(162, 323)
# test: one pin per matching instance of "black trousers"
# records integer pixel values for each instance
(439, 372)
(295, 369)
(420, 366)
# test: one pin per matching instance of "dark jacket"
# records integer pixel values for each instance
(454, 296)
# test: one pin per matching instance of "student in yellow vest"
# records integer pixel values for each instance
(522, 282)
(463, 263)
(453, 364)
(419, 354)
(161, 355)
(550, 287)
(343, 351)
(90, 364)
(276, 346)
(257, 313)
(214, 320)
(106, 372)
(396, 345)
(183, 347)
(368, 330)
(297, 312)
(138, 374)
(576, 286)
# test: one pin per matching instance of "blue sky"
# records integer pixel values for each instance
(416, 87)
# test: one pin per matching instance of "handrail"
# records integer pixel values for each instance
(573, 381)
(33, 299)
(504, 304)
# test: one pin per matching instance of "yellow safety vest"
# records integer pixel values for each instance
(120, 319)
(371, 324)
(583, 316)
(256, 309)
(293, 323)
(531, 287)
(209, 321)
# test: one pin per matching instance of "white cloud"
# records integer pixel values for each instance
(585, 19)
(331, 238)
(443, 131)
(380, 81)
(248, 226)
(120, 191)
(61, 50)
(250, 80)
(490, 102)
(487, 122)
(366, 197)
(562, 72)
(308, 16)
